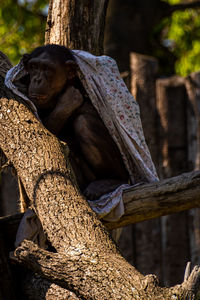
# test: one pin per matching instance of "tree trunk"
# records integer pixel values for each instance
(77, 24)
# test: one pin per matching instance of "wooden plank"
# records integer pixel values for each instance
(147, 234)
(143, 76)
(193, 126)
(171, 105)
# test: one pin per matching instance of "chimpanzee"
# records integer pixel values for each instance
(66, 110)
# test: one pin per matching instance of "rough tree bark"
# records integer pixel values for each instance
(67, 17)
(154, 200)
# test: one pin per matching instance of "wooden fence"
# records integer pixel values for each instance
(170, 109)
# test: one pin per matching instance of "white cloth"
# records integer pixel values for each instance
(120, 114)
(119, 111)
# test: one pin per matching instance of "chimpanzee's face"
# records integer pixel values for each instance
(47, 79)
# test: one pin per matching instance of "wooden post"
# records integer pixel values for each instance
(171, 105)
(143, 75)
(193, 115)
(147, 234)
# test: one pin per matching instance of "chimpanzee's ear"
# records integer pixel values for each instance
(71, 68)
(25, 59)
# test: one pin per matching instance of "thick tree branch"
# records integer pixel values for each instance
(148, 201)
(154, 200)
(57, 268)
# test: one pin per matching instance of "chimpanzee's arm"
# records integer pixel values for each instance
(68, 102)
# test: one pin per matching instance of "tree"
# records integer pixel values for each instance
(87, 262)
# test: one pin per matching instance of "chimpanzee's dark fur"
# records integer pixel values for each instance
(66, 111)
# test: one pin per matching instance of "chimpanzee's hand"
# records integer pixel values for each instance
(68, 102)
